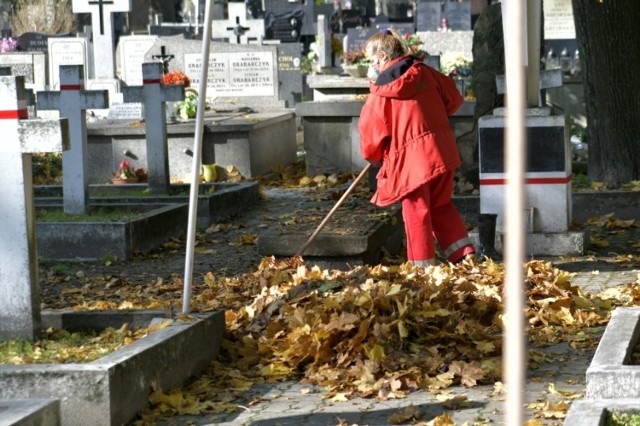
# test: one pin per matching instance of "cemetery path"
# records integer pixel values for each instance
(229, 248)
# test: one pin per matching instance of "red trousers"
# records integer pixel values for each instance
(428, 213)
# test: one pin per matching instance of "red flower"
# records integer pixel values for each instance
(176, 77)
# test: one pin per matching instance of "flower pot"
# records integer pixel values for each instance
(121, 181)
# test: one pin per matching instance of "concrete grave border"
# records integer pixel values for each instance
(114, 388)
(594, 413)
(609, 376)
(29, 412)
(94, 240)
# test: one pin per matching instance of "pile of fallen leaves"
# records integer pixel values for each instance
(380, 331)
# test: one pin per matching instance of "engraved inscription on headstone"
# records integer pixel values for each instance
(235, 74)
(132, 50)
(66, 51)
(558, 20)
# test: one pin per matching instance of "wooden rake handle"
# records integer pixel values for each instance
(333, 210)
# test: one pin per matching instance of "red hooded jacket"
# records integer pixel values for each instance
(404, 124)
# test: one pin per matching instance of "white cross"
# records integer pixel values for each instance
(72, 101)
(154, 94)
(20, 301)
(238, 29)
(102, 27)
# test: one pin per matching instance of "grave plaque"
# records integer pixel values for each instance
(235, 74)
(128, 111)
(37, 42)
(545, 149)
(285, 27)
(289, 75)
(458, 15)
(428, 15)
(132, 50)
(558, 20)
(66, 51)
(357, 37)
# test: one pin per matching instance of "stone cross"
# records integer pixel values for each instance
(102, 26)
(72, 101)
(19, 286)
(242, 28)
(154, 94)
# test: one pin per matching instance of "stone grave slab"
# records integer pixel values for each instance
(611, 374)
(30, 412)
(113, 389)
(217, 201)
(149, 227)
(253, 142)
(345, 240)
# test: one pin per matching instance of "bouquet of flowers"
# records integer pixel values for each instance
(125, 171)
(176, 77)
(456, 65)
(8, 44)
(414, 43)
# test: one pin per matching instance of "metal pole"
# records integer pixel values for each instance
(514, 361)
(195, 168)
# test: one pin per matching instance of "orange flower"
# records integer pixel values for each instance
(176, 77)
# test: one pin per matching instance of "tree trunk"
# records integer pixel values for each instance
(608, 39)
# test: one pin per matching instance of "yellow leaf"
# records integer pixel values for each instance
(442, 420)
(248, 239)
(402, 330)
(376, 353)
(340, 397)
(565, 394)
(485, 346)
(275, 370)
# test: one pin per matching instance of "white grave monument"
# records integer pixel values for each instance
(154, 95)
(547, 189)
(238, 29)
(67, 51)
(103, 37)
(131, 51)
(20, 304)
(72, 101)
